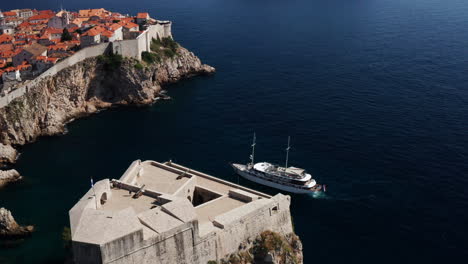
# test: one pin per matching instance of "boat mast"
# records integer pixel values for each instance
(287, 153)
(253, 150)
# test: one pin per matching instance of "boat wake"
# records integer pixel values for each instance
(319, 195)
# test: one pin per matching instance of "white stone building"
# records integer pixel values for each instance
(24, 13)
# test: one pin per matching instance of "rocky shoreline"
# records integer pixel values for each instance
(9, 176)
(9, 228)
(83, 89)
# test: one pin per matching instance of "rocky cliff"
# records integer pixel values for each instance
(86, 88)
(267, 248)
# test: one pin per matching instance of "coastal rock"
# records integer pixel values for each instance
(9, 228)
(88, 87)
(268, 248)
(9, 176)
(8, 154)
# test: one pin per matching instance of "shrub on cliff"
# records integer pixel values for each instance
(275, 244)
(139, 66)
(167, 46)
(110, 62)
(150, 57)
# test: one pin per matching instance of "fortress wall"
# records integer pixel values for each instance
(254, 224)
(121, 248)
(127, 48)
(183, 245)
(134, 47)
(89, 253)
(5, 100)
(172, 248)
(79, 56)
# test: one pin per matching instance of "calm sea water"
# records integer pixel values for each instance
(373, 93)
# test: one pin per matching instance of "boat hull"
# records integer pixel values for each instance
(290, 189)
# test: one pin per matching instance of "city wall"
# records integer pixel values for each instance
(127, 48)
(134, 47)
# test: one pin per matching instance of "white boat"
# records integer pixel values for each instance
(290, 179)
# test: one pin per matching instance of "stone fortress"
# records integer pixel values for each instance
(168, 213)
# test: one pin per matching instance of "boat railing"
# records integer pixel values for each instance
(283, 183)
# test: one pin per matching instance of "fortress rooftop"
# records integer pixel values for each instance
(154, 202)
(157, 197)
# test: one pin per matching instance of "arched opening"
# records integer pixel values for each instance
(103, 198)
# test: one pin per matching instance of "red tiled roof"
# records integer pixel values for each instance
(41, 58)
(93, 12)
(54, 31)
(72, 29)
(58, 47)
(10, 54)
(142, 15)
(94, 31)
(10, 69)
(48, 12)
(41, 17)
(23, 67)
(115, 26)
(6, 47)
(128, 24)
(33, 37)
(54, 60)
(8, 14)
(25, 24)
(5, 38)
(107, 33)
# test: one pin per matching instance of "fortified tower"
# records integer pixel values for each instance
(168, 213)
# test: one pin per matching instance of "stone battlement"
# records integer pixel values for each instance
(168, 213)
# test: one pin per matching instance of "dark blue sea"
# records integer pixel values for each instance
(374, 94)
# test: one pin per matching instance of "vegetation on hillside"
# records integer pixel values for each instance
(160, 48)
(110, 62)
(283, 249)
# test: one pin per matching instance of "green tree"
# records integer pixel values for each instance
(66, 36)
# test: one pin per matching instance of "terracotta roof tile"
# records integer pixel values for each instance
(41, 17)
(5, 38)
(142, 15)
(8, 14)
